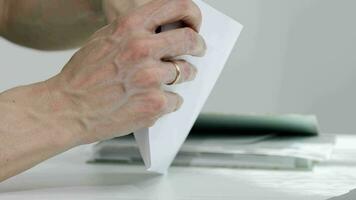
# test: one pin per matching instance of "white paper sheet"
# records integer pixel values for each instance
(160, 143)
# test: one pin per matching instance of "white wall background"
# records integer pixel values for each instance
(293, 56)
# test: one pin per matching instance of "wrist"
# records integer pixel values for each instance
(34, 105)
(64, 114)
(29, 132)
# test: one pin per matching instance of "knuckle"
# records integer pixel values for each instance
(191, 38)
(189, 71)
(184, 4)
(150, 105)
(190, 35)
(155, 102)
(146, 78)
(136, 44)
(191, 8)
(138, 48)
(127, 22)
(199, 14)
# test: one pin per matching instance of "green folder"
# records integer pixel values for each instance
(223, 124)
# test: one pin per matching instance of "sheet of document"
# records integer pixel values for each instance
(159, 144)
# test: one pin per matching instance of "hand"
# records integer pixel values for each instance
(113, 85)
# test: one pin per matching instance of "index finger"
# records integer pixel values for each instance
(170, 11)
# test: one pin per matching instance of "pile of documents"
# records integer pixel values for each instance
(272, 146)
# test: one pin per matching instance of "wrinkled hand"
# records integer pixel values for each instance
(113, 85)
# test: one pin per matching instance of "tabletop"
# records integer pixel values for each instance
(68, 176)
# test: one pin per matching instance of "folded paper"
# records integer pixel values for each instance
(159, 144)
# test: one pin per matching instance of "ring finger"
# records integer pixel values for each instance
(177, 71)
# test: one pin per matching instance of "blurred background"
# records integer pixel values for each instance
(292, 57)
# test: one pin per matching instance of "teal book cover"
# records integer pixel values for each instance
(288, 125)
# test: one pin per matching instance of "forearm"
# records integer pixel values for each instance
(51, 25)
(30, 132)
(58, 24)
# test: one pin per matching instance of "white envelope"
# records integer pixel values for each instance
(160, 143)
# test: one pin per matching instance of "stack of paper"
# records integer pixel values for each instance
(259, 151)
(249, 141)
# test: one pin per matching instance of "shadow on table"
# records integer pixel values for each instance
(103, 179)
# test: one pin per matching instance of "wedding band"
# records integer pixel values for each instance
(178, 72)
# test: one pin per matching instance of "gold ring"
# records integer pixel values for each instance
(179, 73)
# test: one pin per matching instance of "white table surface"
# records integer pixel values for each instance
(67, 176)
